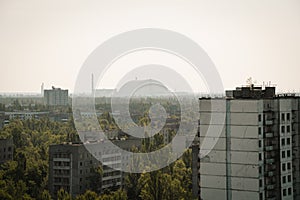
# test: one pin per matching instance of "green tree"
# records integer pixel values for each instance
(63, 195)
(88, 195)
(46, 195)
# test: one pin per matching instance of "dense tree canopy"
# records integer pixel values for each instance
(26, 175)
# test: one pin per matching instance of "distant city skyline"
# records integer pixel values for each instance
(47, 42)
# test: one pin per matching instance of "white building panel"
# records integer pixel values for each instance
(212, 130)
(215, 156)
(208, 181)
(245, 195)
(244, 106)
(240, 170)
(244, 157)
(244, 144)
(247, 184)
(244, 131)
(207, 118)
(213, 105)
(213, 169)
(285, 105)
(213, 143)
(211, 194)
(244, 119)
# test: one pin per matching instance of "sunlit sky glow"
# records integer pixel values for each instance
(48, 41)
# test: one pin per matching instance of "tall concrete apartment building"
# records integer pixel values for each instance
(56, 97)
(257, 154)
(72, 168)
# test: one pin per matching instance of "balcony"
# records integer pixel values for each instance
(270, 187)
(61, 159)
(61, 167)
(269, 135)
(269, 148)
(270, 174)
(269, 160)
(111, 177)
(269, 122)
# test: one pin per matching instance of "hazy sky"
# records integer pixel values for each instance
(48, 41)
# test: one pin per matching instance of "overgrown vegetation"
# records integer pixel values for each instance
(26, 176)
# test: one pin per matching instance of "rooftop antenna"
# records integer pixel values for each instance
(42, 89)
(92, 83)
(249, 81)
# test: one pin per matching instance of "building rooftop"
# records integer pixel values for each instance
(251, 92)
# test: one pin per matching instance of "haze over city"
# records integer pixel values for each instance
(47, 42)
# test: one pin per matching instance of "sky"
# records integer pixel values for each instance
(48, 41)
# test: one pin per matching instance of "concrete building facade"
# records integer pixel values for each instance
(56, 97)
(24, 115)
(257, 153)
(72, 168)
(6, 150)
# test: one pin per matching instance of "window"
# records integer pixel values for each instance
(289, 178)
(282, 142)
(282, 129)
(283, 167)
(259, 156)
(259, 143)
(288, 116)
(259, 117)
(260, 196)
(259, 130)
(283, 154)
(289, 166)
(260, 169)
(288, 141)
(284, 179)
(282, 117)
(288, 129)
(284, 192)
(289, 191)
(260, 183)
(288, 153)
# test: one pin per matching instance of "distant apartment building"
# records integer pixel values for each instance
(6, 150)
(24, 115)
(56, 97)
(2, 118)
(257, 154)
(72, 166)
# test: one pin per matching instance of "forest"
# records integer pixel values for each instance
(26, 175)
